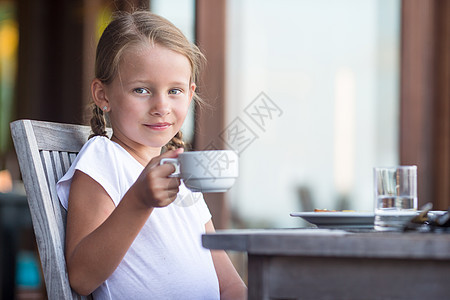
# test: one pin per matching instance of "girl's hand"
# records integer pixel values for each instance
(154, 186)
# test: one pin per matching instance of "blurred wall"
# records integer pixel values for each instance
(57, 41)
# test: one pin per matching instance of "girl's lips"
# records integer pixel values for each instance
(159, 126)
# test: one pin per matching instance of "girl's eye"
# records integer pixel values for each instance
(175, 92)
(141, 91)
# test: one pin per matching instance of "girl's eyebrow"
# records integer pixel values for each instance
(179, 83)
(140, 81)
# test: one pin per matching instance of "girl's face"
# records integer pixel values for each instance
(149, 98)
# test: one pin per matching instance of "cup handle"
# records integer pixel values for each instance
(174, 162)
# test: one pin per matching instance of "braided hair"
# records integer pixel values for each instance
(176, 142)
(98, 122)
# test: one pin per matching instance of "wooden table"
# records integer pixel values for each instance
(336, 264)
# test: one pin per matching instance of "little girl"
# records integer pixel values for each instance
(125, 239)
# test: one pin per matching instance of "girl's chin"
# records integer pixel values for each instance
(159, 144)
(159, 140)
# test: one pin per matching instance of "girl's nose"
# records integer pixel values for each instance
(160, 106)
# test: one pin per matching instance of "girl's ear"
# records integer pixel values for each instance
(98, 92)
(191, 91)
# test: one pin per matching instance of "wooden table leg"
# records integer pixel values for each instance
(294, 277)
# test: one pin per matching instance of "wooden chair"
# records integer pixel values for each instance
(45, 152)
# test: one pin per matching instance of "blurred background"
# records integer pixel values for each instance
(312, 94)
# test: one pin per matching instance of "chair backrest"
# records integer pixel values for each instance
(45, 151)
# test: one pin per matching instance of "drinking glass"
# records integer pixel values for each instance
(395, 196)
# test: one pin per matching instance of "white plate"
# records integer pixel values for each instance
(437, 212)
(337, 219)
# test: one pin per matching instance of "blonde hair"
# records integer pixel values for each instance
(131, 29)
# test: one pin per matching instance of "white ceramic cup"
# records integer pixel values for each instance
(213, 171)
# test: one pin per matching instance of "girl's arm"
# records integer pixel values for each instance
(98, 234)
(230, 283)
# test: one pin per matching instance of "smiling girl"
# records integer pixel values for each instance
(125, 239)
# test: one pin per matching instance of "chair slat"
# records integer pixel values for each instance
(56, 156)
(65, 161)
(58, 166)
(48, 162)
(72, 157)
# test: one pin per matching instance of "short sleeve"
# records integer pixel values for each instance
(97, 160)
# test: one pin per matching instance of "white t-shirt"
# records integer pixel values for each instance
(166, 260)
